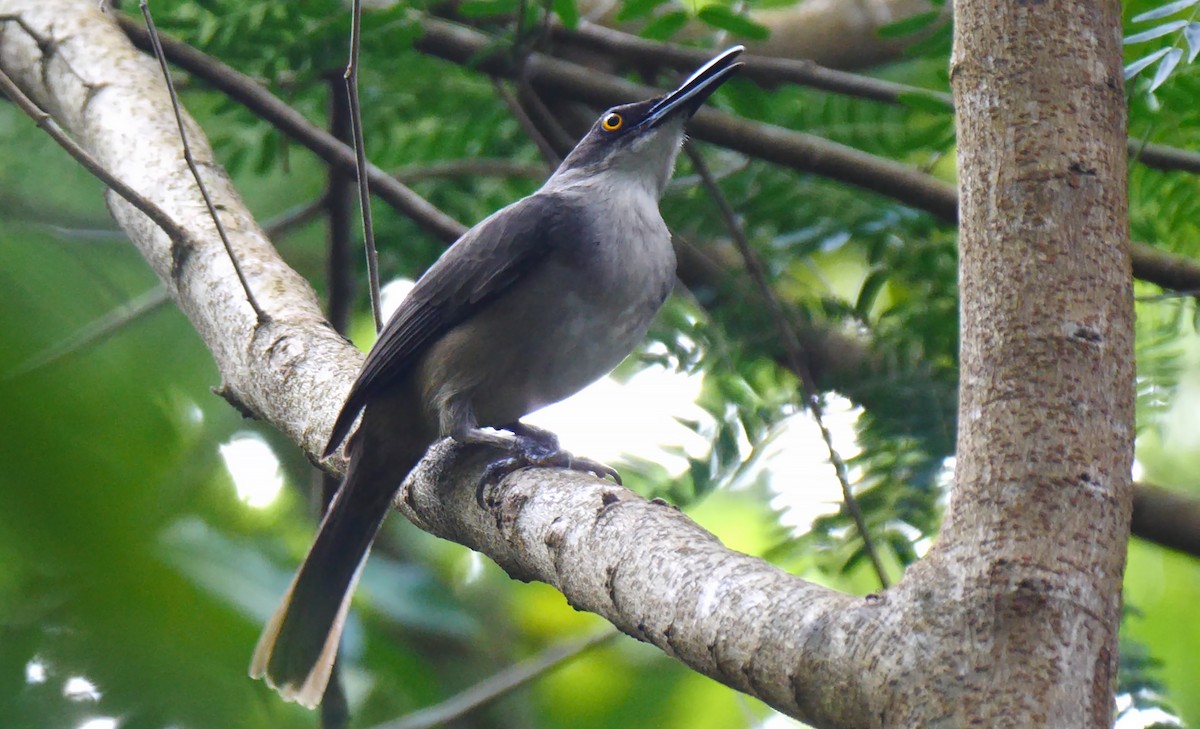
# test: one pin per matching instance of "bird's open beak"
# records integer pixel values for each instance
(692, 92)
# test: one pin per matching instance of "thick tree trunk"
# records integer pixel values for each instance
(1040, 515)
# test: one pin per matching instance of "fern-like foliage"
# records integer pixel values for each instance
(1177, 33)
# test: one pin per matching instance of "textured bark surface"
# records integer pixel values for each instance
(1038, 521)
(1012, 619)
(656, 575)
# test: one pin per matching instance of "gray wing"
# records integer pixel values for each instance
(480, 266)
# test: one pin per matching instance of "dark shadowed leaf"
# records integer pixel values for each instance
(910, 25)
(719, 16)
(666, 26)
(869, 292)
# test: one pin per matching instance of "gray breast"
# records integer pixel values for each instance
(573, 319)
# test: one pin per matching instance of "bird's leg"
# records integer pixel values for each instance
(541, 435)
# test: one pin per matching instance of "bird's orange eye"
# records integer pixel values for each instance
(612, 122)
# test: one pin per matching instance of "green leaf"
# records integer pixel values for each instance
(719, 16)
(910, 25)
(925, 101)
(1192, 35)
(869, 292)
(487, 8)
(666, 26)
(567, 12)
(638, 8)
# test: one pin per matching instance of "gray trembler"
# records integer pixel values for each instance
(528, 307)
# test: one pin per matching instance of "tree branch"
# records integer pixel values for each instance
(829, 659)
(801, 152)
(772, 144)
(651, 571)
(1167, 518)
(770, 71)
(765, 71)
(1038, 519)
(259, 100)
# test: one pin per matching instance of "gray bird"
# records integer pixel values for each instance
(528, 307)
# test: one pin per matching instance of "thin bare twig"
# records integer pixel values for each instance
(191, 162)
(547, 150)
(339, 266)
(471, 168)
(768, 71)
(360, 157)
(94, 331)
(160, 217)
(791, 346)
(255, 97)
(294, 217)
(498, 685)
(550, 125)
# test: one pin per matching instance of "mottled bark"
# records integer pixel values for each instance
(1036, 530)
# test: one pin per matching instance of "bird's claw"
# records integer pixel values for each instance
(596, 468)
(536, 448)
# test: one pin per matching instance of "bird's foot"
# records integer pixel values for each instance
(537, 448)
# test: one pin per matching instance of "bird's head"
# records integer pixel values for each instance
(638, 142)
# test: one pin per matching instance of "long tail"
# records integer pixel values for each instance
(297, 648)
